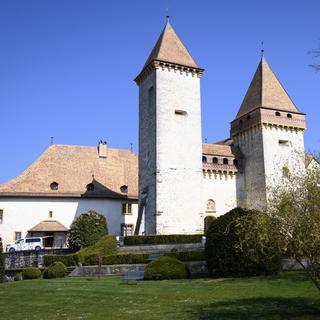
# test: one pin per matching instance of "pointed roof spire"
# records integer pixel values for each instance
(169, 48)
(266, 91)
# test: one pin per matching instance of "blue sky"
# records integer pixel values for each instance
(67, 67)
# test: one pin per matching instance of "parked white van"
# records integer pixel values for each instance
(35, 243)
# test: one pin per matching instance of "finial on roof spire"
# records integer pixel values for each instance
(167, 14)
(262, 50)
(51, 140)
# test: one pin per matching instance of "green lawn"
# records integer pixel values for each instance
(289, 296)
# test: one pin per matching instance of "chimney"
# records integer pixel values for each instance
(102, 149)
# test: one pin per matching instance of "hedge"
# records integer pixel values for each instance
(67, 259)
(162, 239)
(31, 273)
(55, 270)
(106, 246)
(165, 268)
(140, 258)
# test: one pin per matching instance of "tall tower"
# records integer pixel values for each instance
(268, 129)
(170, 146)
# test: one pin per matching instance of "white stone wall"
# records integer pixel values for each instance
(222, 189)
(179, 153)
(21, 214)
(251, 144)
(170, 152)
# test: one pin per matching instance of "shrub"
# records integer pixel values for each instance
(67, 259)
(31, 273)
(127, 258)
(55, 270)
(165, 268)
(162, 239)
(107, 245)
(18, 277)
(192, 255)
(227, 253)
(1, 262)
(86, 230)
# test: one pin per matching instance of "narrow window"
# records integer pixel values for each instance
(50, 214)
(235, 162)
(289, 115)
(126, 208)
(54, 186)
(278, 114)
(180, 112)
(285, 172)
(283, 142)
(214, 160)
(126, 229)
(204, 159)
(225, 161)
(150, 98)
(17, 235)
(1, 216)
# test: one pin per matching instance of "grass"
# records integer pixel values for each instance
(288, 296)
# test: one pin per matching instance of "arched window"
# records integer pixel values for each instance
(235, 162)
(214, 160)
(211, 206)
(278, 114)
(225, 161)
(90, 187)
(204, 159)
(289, 115)
(54, 186)
(124, 189)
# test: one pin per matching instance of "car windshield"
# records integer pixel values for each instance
(19, 241)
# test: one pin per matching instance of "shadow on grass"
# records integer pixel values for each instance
(260, 308)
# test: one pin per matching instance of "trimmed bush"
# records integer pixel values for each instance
(67, 259)
(18, 277)
(31, 273)
(227, 252)
(127, 258)
(107, 245)
(86, 230)
(165, 268)
(56, 270)
(1, 262)
(192, 255)
(162, 239)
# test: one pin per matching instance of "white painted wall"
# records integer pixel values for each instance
(222, 189)
(21, 214)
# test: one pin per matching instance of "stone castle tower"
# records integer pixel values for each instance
(170, 146)
(268, 130)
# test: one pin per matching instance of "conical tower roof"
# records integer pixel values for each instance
(266, 91)
(169, 48)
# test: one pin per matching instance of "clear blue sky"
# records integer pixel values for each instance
(67, 67)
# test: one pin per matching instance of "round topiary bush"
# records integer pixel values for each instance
(31, 273)
(86, 230)
(55, 270)
(233, 247)
(18, 277)
(165, 268)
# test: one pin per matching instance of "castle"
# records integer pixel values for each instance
(177, 181)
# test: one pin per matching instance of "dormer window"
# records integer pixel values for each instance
(225, 161)
(278, 114)
(289, 115)
(54, 186)
(124, 189)
(240, 124)
(248, 117)
(215, 160)
(90, 187)
(204, 159)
